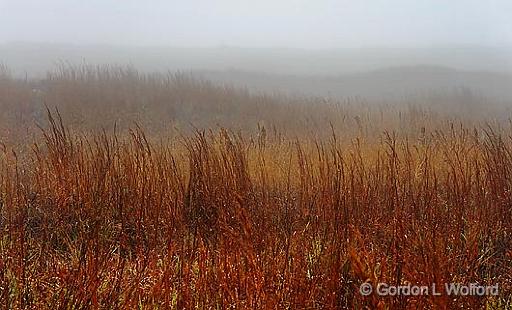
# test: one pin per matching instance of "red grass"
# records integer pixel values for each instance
(265, 219)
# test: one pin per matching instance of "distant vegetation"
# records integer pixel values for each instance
(127, 190)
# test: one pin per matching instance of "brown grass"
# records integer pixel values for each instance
(271, 213)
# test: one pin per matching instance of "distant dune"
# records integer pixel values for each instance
(387, 83)
(37, 58)
(371, 72)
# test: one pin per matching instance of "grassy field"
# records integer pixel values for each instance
(120, 190)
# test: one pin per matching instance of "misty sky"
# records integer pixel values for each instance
(262, 23)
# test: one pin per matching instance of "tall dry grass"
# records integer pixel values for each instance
(266, 214)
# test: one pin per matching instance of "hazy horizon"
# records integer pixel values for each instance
(296, 42)
(37, 58)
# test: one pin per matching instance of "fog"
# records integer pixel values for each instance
(324, 47)
(264, 23)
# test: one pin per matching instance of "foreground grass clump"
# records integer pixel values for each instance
(225, 220)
